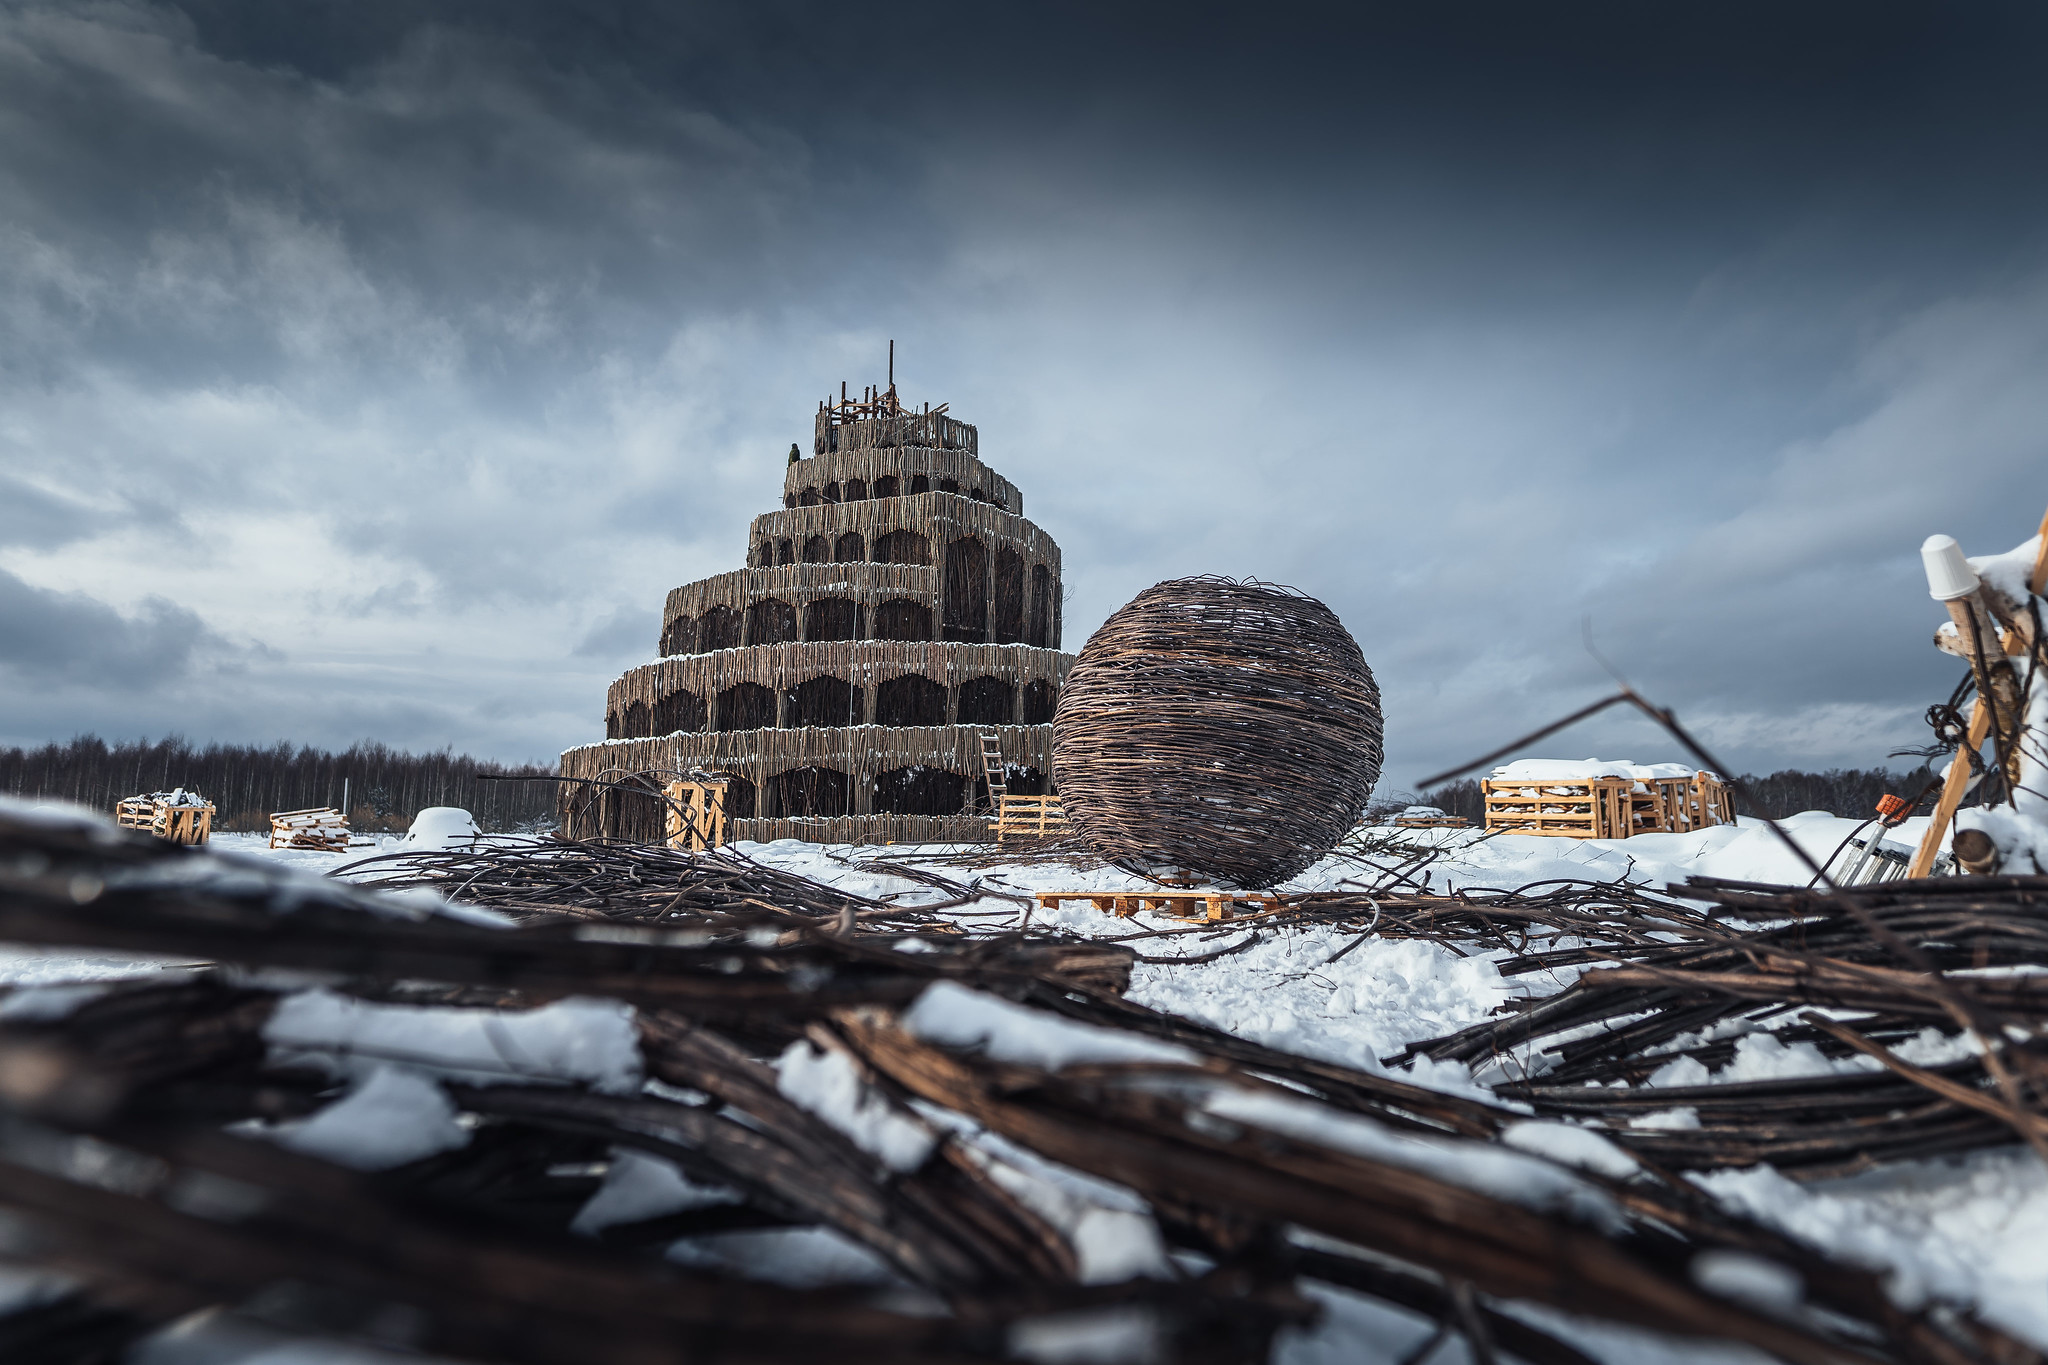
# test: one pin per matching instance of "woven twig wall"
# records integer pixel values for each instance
(929, 429)
(861, 662)
(872, 465)
(939, 517)
(1230, 729)
(802, 584)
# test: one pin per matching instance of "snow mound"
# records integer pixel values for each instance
(440, 827)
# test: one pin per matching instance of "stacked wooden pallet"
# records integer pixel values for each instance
(321, 828)
(1606, 807)
(182, 817)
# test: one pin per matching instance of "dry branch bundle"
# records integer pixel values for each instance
(115, 1168)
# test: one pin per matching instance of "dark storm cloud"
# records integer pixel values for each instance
(52, 637)
(438, 340)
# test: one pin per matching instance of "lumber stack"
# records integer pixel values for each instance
(320, 828)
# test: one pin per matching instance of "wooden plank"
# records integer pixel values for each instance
(1952, 789)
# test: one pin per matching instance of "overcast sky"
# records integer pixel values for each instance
(372, 370)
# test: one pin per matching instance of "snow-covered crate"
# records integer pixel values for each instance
(1591, 799)
(321, 827)
(182, 817)
(1597, 808)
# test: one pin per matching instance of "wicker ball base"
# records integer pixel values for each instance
(1229, 729)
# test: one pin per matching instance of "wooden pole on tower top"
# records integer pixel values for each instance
(892, 365)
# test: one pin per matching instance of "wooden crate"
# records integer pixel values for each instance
(1605, 807)
(167, 817)
(1027, 817)
(696, 815)
(321, 828)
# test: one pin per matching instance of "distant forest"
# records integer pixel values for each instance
(245, 783)
(1839, 791)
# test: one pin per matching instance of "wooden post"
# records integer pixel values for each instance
(2038, 580)
(1997, 682)
(1952, 790)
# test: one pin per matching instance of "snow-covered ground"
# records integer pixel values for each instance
(1973, 1229)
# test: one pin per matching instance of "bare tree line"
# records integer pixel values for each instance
(384, 786)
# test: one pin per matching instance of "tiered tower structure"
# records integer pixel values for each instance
(896, 608)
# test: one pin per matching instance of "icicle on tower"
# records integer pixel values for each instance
(897, 607)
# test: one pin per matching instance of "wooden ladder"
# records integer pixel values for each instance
(993, 770)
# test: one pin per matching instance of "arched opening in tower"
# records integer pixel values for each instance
(849, 549)
(886, 486)
(911, 699)
(771, 621)
(919, 484)
(1025, 782)
(832, 618)
(680, 710)
(824, 703)
(1041, 699)
(720, 628)
(986, 701)
(817, 550)
(1040, 631)
(785, 552)
(901, 547)
(899, 618)
(636, 722)
(966, 577)
(1010, 596)
(918, 791)
(818, 792)
(746, 706)
(678, 637)
(856, 490)
(739, 799)
(807, 498)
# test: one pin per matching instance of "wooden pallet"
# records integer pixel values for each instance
(696, 815)
(322, 828)
(1605, 807)
(1216, 905)
(180, 824)
(1028, 817)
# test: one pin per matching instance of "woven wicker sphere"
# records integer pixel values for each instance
(1230, 729)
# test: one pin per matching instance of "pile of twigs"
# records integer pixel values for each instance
(140, 1156)
(611, 879)
(1230, 729)
(1854, 973)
